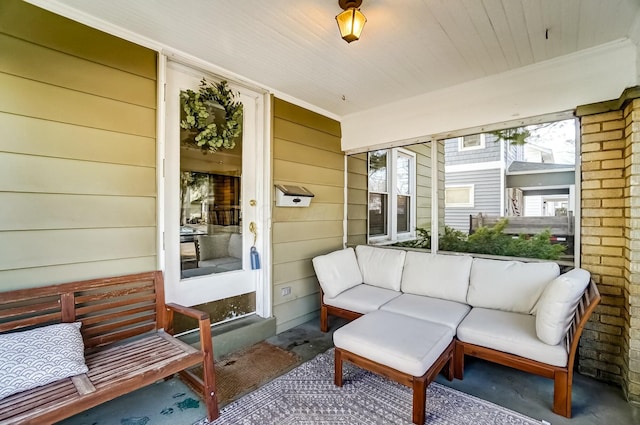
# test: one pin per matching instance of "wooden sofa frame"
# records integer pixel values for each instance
(326, 310)
(126, 328)
(562, 376)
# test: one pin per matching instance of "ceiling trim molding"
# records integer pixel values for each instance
(54, 6)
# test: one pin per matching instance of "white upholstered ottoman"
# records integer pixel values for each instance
(408, 350)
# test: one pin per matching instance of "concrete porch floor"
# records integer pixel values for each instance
(172, 403)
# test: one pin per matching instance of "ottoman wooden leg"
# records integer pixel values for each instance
(419, 399)
(338, 365)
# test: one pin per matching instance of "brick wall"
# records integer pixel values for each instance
(610, 243)
(631, 336)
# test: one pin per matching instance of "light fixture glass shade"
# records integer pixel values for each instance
(351, 22)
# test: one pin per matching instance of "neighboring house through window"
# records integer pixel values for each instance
(392, 206)
(459, 196)
(469, 143)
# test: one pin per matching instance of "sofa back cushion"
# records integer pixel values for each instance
(380, 266)
(235, 245)
(337, 271)
(439, 276)
(558, 303)
(509, 285)
(213, 246)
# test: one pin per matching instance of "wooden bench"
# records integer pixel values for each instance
(126, 328)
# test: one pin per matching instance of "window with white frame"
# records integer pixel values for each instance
(392, 188)
(458, 196)
(471, 142)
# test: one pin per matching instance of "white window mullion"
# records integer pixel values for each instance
(393, 197)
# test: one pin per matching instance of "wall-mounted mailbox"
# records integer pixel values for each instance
(292, 196)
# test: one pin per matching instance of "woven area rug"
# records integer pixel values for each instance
(245, 370)
(306, 395)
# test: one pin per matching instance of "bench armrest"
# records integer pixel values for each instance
(188, 311)
(208, 383)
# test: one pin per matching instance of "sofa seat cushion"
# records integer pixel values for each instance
(443, 312)
(337, 271)
(436, 275)
(230, 266)
(381, 267)
(558, 304)
(400, 342)
(513, 333)
(509, 285)
(218, 262)
(362, 298)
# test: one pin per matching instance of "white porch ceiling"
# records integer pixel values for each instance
(408, 47)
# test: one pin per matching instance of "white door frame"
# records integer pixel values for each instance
(195, 291)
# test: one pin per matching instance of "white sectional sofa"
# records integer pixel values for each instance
(523, 315)
(216, 253)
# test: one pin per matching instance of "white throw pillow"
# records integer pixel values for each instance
(381, 267)
(36, 357)
(509, 285)
(435, 275)
(337, 271)
(558, 303)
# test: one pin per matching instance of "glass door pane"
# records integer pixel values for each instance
(210, 204)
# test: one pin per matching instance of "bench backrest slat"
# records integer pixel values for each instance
(105, 328)
(28, 309)
(112, 337)
(110, 309)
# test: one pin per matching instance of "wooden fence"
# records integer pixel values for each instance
(562, 228)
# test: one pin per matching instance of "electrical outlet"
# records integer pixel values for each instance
(285, 291)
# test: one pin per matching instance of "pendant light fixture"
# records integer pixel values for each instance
(351, 21)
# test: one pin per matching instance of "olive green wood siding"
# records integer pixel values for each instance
(357, 210)
(423, 184)
(306, 152)
(77, 151)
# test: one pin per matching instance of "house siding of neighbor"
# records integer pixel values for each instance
(480, 168)
(489, 153)
(306, 152)
(77, 151)
(486, 185)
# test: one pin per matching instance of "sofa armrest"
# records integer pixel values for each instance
(588, 303)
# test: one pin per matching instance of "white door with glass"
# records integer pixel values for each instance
(212, 207)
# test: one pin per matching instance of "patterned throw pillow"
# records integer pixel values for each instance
(40, 356)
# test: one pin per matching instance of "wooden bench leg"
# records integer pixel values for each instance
(208, 371)
(562, 394)
(338, 366)
(419, 399)
(458, 360)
